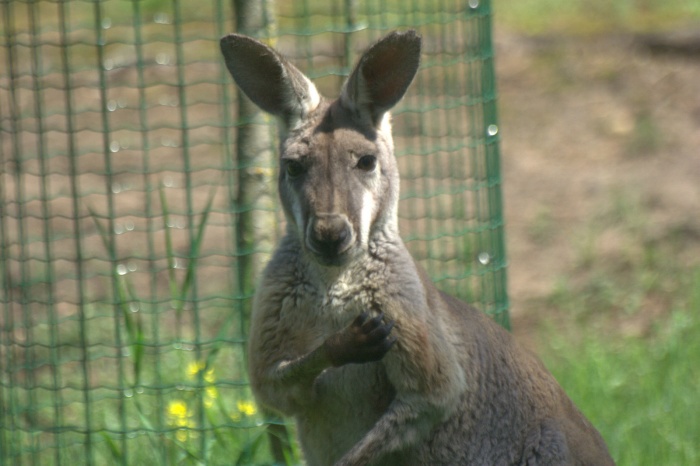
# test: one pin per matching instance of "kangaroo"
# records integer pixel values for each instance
(348, 335)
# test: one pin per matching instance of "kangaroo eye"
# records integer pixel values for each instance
(367, 163)
(294, 168)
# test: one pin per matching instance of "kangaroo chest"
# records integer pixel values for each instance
(347, 400)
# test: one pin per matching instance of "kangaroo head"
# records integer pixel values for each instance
(338, 179)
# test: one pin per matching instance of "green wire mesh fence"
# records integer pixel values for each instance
(126, 278)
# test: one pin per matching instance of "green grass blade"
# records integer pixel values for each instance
(196, 246)
(169, 251)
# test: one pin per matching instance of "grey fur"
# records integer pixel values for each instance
(348, 334)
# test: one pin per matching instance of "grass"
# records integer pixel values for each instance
(594, 16)
(627, 351)
(234, 422)
(639, 392)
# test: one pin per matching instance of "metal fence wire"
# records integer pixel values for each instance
(126, 278)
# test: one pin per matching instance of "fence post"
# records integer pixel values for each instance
(255, 197)
(255, 219)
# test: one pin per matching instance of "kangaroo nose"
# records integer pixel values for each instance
(329, 235)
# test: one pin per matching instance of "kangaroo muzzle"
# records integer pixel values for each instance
(329, 237)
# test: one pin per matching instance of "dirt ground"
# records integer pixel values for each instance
(586, 119)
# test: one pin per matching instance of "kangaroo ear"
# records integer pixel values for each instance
(382, 75)
(272, 83)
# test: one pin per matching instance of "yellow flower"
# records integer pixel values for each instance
(211, 393)
(177, 409)
(178, 415)
(194, 368)
(247, 408)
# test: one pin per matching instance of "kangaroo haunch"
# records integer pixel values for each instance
(348, 334)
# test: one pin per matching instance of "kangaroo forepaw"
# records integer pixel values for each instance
(364, 340)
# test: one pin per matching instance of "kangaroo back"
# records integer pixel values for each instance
(348, 334)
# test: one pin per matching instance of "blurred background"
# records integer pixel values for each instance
(600, 110)
(128, 261)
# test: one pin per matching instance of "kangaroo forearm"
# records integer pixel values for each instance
(304, 369)
(288, 386)
(365, 339)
